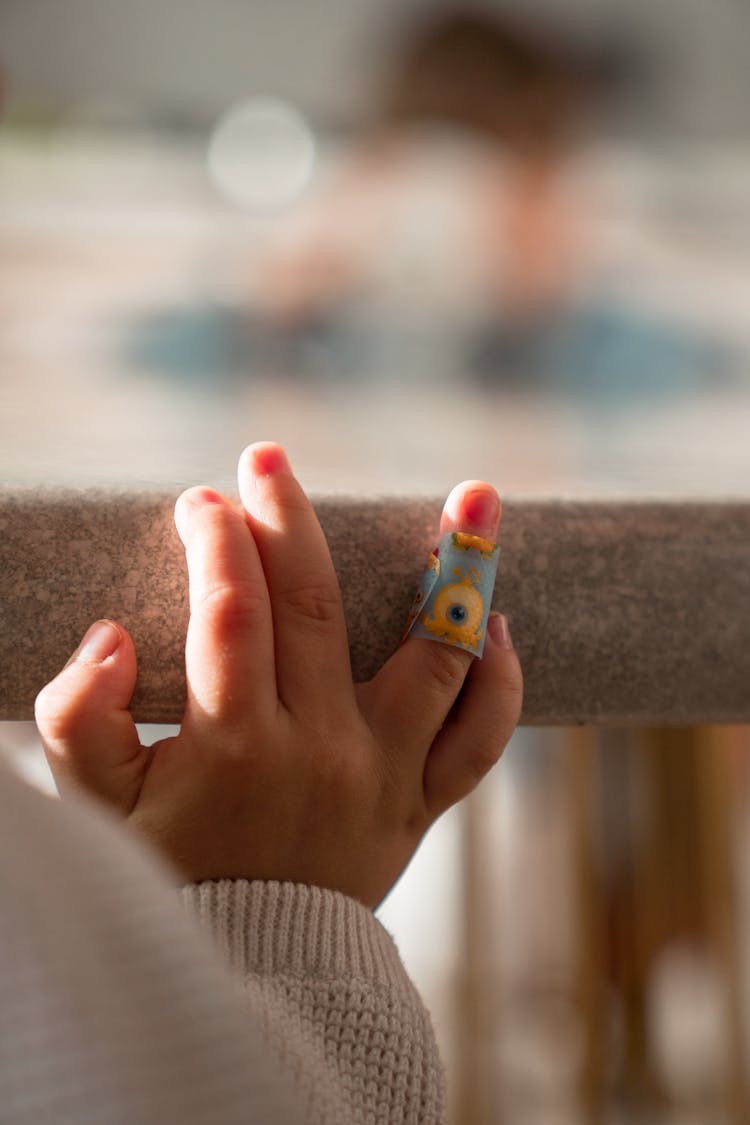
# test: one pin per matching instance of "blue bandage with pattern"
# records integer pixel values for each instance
(454, 597)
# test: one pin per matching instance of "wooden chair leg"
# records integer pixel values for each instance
(478, 1007)
(583, 785)
(720, 791)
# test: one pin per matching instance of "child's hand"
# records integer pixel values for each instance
(283, 768)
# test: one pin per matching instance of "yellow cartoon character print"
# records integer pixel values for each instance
(458, 610)
(455, 593)
(429, 578)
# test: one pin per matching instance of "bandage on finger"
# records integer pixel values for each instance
(454, 598)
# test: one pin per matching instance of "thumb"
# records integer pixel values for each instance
(88, 734)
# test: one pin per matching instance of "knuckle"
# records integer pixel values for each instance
(44, 708)
(317, 603)
(446, 665)
(60, 715)
(483, 755)
(232, 603)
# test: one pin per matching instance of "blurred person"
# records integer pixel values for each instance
(287, 806)
(525, 98)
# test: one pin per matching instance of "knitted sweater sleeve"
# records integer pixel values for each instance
(336, 1003)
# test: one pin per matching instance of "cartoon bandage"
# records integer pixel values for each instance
(454, 597)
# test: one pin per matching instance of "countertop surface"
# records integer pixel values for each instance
(621, 613)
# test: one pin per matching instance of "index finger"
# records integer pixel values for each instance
(229, 647)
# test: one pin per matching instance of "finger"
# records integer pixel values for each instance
(414, 691)
(88, 734)
(473, 506)
(229, 646)
(481, 724)
(312, 651)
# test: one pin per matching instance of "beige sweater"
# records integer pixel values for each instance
(115, 1008)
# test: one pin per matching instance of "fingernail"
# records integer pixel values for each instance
(189, 504)
(99, 642)
(497, 626)
(268, 459)
(205, 496)
(482, 509)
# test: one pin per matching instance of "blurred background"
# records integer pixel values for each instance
(417, 243)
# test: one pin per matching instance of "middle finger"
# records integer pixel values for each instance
(312, 651)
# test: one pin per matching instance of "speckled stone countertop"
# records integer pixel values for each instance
(621, 612)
